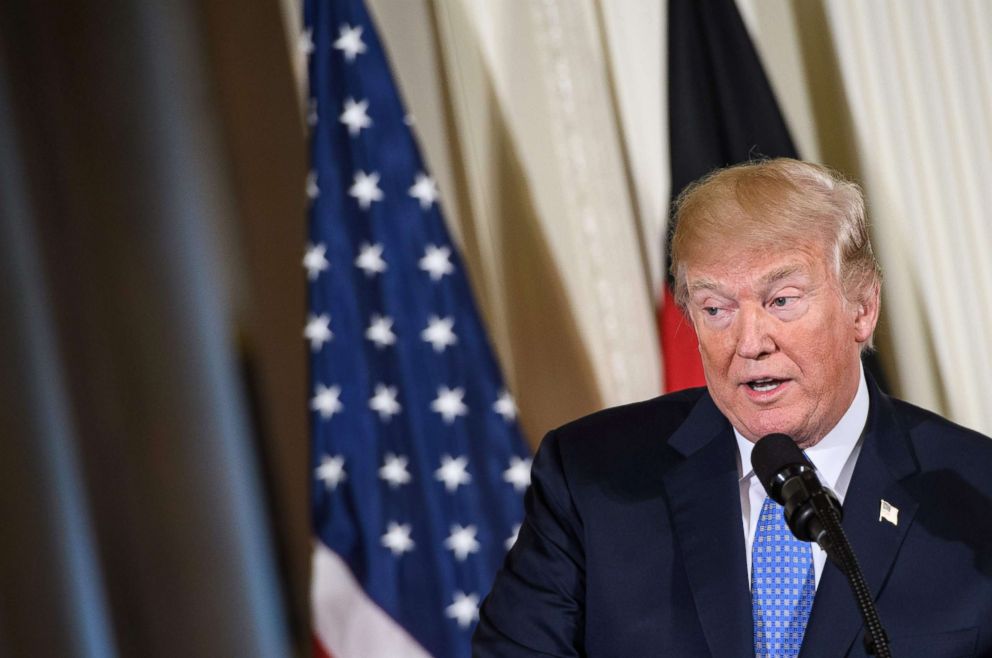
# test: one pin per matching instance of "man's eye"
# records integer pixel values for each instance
(781, 302)
(711, 310)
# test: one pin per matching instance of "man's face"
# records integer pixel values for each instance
(780, 344)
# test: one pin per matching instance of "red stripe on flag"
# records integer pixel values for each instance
(679, 347)
(318, 649)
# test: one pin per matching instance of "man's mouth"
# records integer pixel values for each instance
(764, 385)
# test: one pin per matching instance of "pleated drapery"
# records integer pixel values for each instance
(513, 97)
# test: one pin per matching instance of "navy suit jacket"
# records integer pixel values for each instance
(633, 544)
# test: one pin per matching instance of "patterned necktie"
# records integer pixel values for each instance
(782, 585)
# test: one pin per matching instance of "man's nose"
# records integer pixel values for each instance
(754, 339)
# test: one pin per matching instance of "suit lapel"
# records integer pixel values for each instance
(704, 499)
(886, 458)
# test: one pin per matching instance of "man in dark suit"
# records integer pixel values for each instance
(646, 531)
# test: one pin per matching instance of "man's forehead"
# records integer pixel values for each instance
(754, 269)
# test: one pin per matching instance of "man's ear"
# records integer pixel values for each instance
(867, 314)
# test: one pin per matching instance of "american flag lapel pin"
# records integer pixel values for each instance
(888, 512)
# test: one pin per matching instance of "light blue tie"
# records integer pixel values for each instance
(782, 585)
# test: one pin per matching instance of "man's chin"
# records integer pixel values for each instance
(758, 428)
(801, 438)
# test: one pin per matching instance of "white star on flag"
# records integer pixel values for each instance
(312, 116)
(452, 472)
(438, 333)
(435, 261)
(305, 43)
(397, 538)
(384, 401)
(512, 539)
(518, 474)
(350, 42)
(315, 260)
(462, 541)
(318, 330)
(449, 403)
(465, 609)
(354, 116)
(370, 259)
(325, 400)
(424, 190)
(505, 406)
(312, 190)
(394, 471)
(380, 331)
(365, 188)
(331, 471)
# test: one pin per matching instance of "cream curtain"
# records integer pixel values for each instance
(539, 192)
(544, 121)
(918, 79)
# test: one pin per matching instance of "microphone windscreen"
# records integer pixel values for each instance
(771, 454)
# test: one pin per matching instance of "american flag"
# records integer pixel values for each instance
(418, 466)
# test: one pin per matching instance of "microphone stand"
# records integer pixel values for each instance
(833, 541)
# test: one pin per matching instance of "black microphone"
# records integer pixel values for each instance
(813, 513)
(794, 483)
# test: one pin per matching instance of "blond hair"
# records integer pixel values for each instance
(771, 204)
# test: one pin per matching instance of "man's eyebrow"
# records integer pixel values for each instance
(768, 280)
(777, 275)
(703, 284)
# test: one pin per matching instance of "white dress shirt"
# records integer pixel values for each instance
(834, 457)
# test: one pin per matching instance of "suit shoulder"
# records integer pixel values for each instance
(629, 428)
(654, 415)
(938, 440)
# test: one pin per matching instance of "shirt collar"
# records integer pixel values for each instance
(831, 453)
